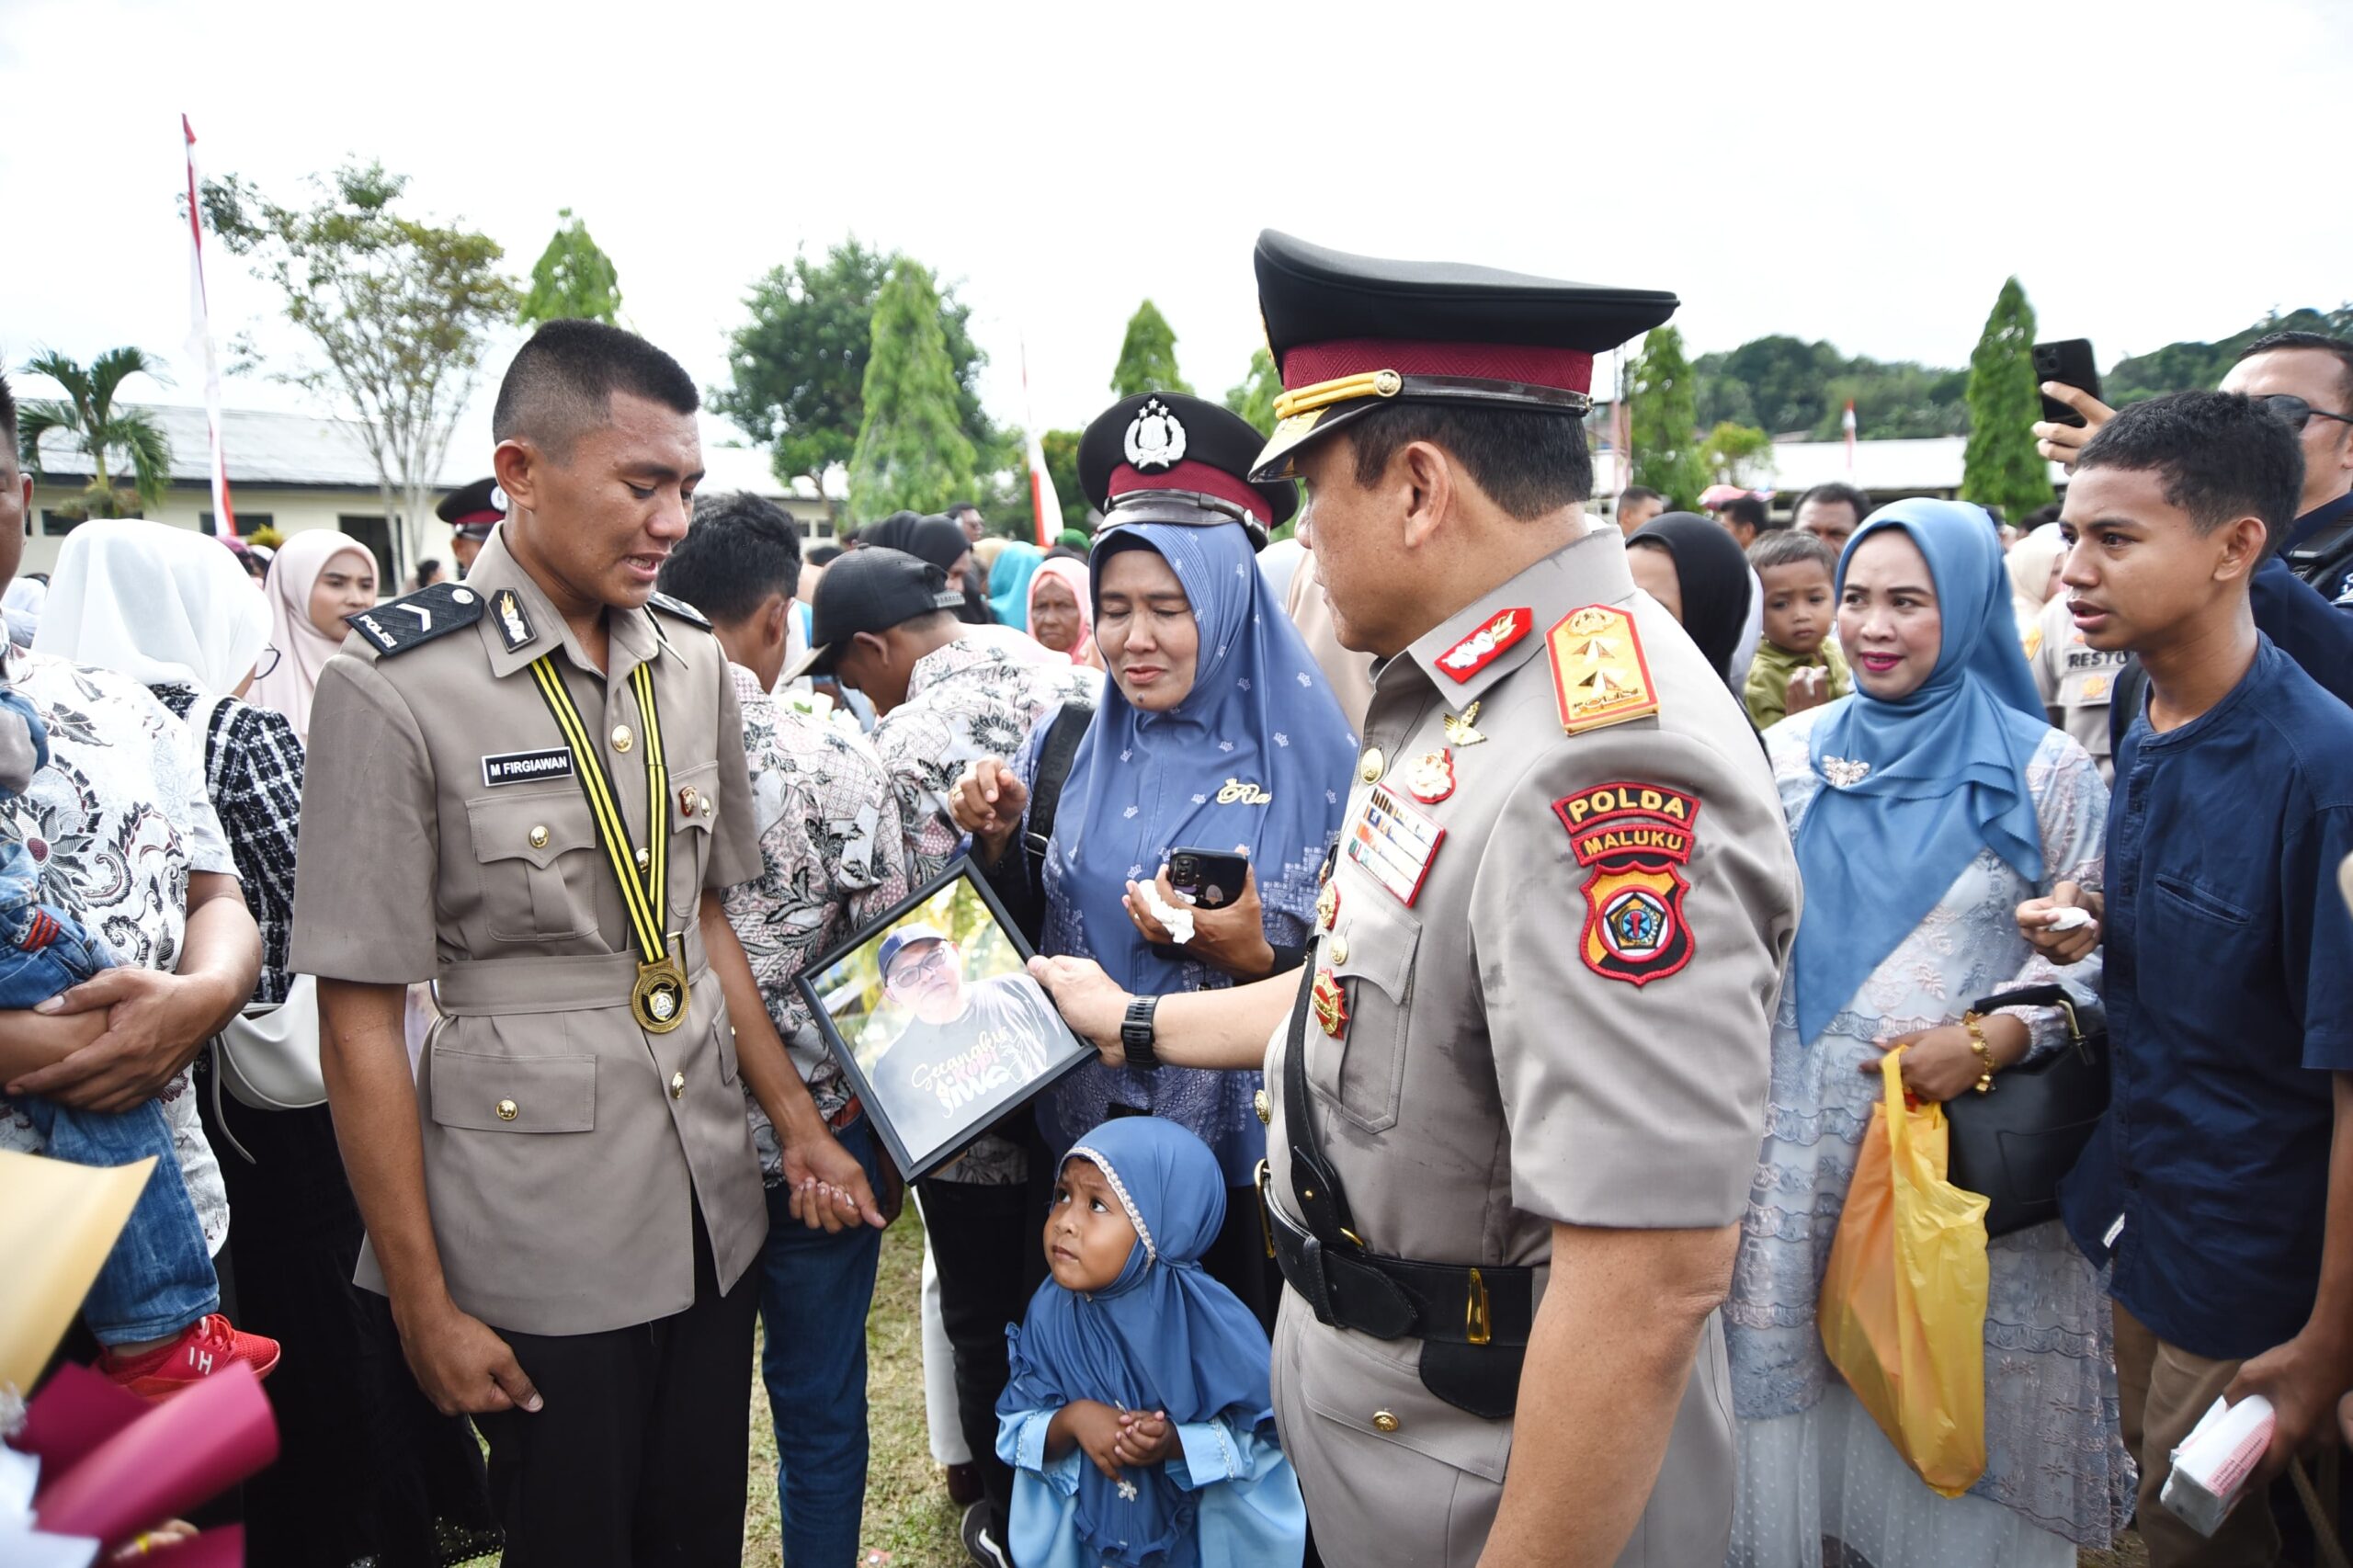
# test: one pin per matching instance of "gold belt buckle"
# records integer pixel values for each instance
(1476, 1328)
(658, 1000)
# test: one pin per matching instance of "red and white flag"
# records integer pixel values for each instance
(1848, 423)
(200, 344)
(1046, 508)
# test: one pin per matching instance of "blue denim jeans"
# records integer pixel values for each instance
(815, 1290)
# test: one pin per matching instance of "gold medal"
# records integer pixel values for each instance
(658, 1000)
(1329, 999)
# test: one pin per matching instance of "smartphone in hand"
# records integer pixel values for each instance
(1211, 878)
(2069, 363)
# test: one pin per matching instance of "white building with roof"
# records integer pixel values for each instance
(1885, 470)
(294, 472)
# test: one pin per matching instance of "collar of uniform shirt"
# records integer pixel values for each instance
(631, 631)
(1587, 571)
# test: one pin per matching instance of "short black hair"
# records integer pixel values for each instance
(1786, 547)
(1635, 494)
(821, 555)
(2272, 342)
(562, 382)
(740, 548)
(1529, 463)
(1835, 490)
(2047, 513)
(2221, 457)
(7, 428)
(959, 508)
(1745, 510)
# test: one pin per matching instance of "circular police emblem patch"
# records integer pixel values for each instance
(1156, 438)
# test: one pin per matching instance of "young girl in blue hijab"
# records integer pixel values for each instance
(1137, 1420)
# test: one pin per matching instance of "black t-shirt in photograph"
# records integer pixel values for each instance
(931, 1078)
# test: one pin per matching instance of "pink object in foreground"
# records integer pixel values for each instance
(113, 1465)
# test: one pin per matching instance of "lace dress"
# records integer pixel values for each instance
(1814, 1468)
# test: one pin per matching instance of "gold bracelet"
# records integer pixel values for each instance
(1975, 1025)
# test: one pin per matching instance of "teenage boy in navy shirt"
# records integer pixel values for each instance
(2221, 1182)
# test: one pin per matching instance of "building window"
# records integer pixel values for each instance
(247, 523)
(376, 535)
(56, 524)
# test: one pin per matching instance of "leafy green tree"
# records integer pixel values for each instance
(1784, 386)
(2001, 466)
(1061, 448)
(573, 279)
(96, 424)
(1663, 421)
(912, 451)
(797, 367)
(399, 309)
(2190, 366)
(1147, 355)
(1737, 454)
(1254, 398)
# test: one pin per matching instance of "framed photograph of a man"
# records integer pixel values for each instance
(933, 1015)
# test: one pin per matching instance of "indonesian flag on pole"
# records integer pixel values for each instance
(200, 344)
(1046, 508)
(1848, 423)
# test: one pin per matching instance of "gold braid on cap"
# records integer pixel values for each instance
(1119, 1187)
(1347, 389)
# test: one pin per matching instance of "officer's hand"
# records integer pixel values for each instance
(2061, 946)
(829, 1189)
(154, 1024)
(1145, 1437)
(2061, 443)
(462, 1364)
(1090, 1003)
(2304, 1380)
(1232, 939)
(987, 801)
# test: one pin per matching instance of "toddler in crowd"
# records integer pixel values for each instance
(1797, 666)
(152, 1303)
(1137, 1420)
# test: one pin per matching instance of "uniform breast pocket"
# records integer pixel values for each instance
(524, 845)
(1370, 953)
(2196, 899)
(694, 808)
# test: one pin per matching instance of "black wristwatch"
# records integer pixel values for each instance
(1135, 1034)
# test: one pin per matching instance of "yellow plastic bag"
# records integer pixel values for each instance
(1903, 1303)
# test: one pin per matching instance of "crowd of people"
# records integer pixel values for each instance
(1458, 1186)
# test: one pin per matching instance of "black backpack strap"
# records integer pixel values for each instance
(2125, 700)
(1054, 758)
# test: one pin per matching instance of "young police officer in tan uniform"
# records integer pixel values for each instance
(530, 788)
(1517, 1106)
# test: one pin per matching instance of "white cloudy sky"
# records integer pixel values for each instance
(1865, 173)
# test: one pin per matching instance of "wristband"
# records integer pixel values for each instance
(1136, 1034)
(1985, 1049)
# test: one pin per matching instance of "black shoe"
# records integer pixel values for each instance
(965, 1487)
(981, 1541)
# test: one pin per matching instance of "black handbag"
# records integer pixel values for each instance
(2017, 1143)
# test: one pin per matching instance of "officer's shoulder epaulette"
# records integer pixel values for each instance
(413, 620)
(680, 608)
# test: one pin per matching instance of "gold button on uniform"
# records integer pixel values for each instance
(1262, 1105)
(507, 1110)
(1369, 769)
(621, 737)
(539, 838)
(1383, 1422)
(678, 1086)
(1339, 947)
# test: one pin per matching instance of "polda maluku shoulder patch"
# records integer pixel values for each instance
(1632, 839)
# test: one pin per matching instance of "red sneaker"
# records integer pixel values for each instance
(208, 1346)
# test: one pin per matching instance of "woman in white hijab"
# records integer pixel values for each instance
(2033, 566)
(176, 611)
(317, 577)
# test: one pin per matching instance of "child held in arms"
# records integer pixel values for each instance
(1138, 1420)
(1797, 665)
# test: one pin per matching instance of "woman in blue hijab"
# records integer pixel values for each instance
(1216, 732)
(1927, 806)
(1130, 1350)
(1010, 570)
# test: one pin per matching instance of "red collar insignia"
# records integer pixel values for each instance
(1483, 647)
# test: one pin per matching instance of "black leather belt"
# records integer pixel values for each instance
(1395, 1297)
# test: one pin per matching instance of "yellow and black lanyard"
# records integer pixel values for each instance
(658, 1000)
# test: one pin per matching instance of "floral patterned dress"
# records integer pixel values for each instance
(117, 822)
(1813, 1463)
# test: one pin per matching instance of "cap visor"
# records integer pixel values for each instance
(1275, 459)
(814, 662)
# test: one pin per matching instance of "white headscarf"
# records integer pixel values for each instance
(21, 604)
(159, 604)
(303, 649)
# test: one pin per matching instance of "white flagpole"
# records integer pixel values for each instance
(200, 345)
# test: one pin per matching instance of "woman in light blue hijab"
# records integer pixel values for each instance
(1927, 806)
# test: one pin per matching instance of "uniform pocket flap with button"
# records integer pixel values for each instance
(688, 791)
(1371, 1394)
(1375, 945)
(513, 1093)
(537, 828)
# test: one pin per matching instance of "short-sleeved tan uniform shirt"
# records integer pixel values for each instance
(1567, 1021)
(444, 837)
(2077, 682)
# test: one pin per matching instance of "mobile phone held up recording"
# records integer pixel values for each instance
(2069, 363)
(1210, 879)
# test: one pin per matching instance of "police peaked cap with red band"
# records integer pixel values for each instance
(475, 509)
(1182, 461)
(1350, 334)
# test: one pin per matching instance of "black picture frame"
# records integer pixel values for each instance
(930, 1108)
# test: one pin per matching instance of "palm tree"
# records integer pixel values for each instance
(99, 426)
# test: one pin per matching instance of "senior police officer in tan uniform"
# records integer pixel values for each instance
(1516, 1108)
(529, 788)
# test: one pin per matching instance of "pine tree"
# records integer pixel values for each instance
(912, 450)
(1254, 398)
(573, 279)
(1148, 355)
(2001, 466)
(1663, 421)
